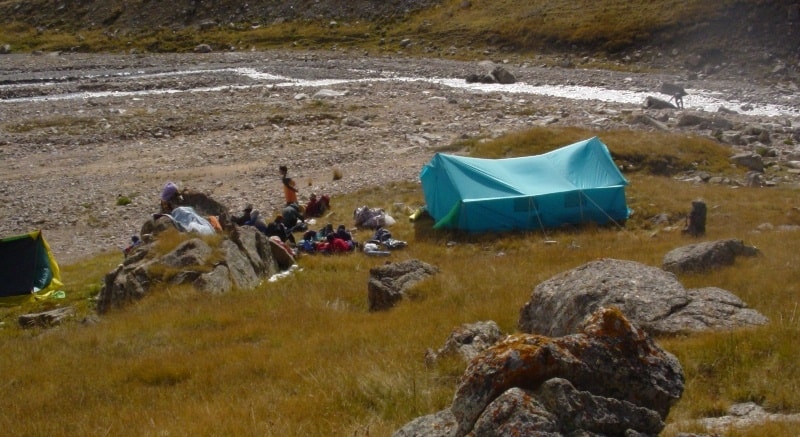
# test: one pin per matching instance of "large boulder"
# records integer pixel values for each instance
(650, 297)
(240, 259)
(609, 379)
(709, 255)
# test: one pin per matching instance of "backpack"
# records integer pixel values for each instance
(382, 234)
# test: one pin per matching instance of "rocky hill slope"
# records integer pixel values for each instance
(175, 14)
(740, 36)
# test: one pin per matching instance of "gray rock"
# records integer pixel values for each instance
(517, 412)
(203, 204)
(467, 341)
(752, 161)
(355, 122)
(203, 48)
(241, 270)
(328, 94)
(255, 245)
(46, 319)
(651, 298)
(389, 283)
(754, 179)
(583, 411)
(194, 252)
(732, 137)
(156, 225)
(480, 78)
(705, 256)
(714, 122)
(440, 424)
(503, 76)
(491, 74)
(217, 281)
(647, 121)
(712, 308)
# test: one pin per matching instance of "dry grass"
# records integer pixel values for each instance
(303, 356)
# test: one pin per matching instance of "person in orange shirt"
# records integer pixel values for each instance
(289, 186)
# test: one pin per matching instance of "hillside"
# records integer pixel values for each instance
(734, 36)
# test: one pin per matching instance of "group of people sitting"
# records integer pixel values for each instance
(326, 240)
(291, 219)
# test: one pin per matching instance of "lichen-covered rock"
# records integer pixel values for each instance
(609, 379)
(439, 424)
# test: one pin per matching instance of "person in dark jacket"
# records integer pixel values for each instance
(241, 220)
(292, 218)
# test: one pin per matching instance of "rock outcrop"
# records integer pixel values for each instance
(240, 258)
(609, 379)
(651, 298)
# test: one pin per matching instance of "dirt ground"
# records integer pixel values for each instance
(220, 128)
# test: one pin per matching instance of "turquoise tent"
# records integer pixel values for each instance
(575, 184)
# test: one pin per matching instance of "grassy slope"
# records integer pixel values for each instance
(303, 356)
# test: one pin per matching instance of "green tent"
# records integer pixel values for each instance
(27, 269)
(578, 183)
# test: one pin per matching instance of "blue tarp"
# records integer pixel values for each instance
(189, 221)
(575, 184)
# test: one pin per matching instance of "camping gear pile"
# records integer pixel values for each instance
(372, 218)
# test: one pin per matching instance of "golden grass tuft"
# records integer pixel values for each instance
(303, 356)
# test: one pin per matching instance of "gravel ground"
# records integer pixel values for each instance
(65, 161)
